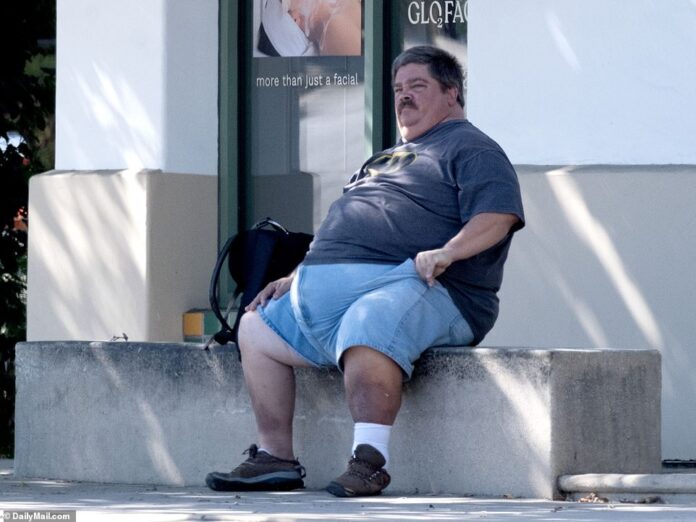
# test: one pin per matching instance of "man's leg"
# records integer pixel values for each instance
(268, 371)
(268, 364)
(373, 389)
(373, 385)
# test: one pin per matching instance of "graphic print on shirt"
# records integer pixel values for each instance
(389, 163)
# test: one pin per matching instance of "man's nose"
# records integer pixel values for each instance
(404, 96)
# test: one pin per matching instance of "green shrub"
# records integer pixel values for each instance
(27, 94)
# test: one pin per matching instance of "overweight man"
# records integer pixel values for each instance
(410, 256)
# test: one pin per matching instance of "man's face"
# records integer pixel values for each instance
(419, 101)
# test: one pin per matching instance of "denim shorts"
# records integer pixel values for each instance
(388, 308)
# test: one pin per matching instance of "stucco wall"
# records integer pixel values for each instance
(605, 262)
(123, 236)
(606, 258)
(115, 252)
(585, 81)
(137, 85)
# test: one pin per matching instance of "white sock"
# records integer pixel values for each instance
(376, 435)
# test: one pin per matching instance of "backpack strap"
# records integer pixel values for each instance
(268, 221)
(256, 257)
(227, 333)
(234, 247)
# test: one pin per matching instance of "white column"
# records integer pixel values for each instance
(137, 85)
(123, 235)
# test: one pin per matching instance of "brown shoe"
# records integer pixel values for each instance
(260, 472)
(365, 475)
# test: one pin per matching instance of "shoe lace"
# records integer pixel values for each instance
(253, 450)
(361, 468)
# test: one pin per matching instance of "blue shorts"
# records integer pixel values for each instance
(389, 308)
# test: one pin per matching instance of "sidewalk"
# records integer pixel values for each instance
(96, 502)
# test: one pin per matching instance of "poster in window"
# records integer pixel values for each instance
(295, 28)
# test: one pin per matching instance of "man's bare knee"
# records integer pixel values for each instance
(373, 385)
(247, 325)
(256, 337)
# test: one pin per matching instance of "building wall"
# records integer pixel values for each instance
(604, 263)
(137, 85)
(123, 235)
(585, 82)
(606, 84)
(118, 252)
(605, 259)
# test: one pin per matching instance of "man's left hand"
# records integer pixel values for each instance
(432, 263)
(480, 233)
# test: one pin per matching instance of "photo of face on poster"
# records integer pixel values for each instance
(307, 28)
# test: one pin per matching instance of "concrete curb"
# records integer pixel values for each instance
(667, 483)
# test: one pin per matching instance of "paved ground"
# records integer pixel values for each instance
(96, 502)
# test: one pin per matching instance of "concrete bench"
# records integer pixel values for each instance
(482, 421)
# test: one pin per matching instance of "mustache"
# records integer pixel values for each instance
(406, 103)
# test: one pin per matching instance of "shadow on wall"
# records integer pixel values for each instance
(596, 239)
(594, 254)
(523, 397)
(494, 419)
(604, 263)
(109, 107)
(150, 426)
(85, 283)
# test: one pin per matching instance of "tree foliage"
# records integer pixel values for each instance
(27, 94)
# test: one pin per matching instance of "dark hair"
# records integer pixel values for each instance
(443, 66)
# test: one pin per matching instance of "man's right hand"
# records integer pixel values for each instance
(274, 289)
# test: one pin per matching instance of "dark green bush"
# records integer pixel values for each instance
(27, 94)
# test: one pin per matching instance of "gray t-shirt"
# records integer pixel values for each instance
(417, 196)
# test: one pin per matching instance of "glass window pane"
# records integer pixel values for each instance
(307, 107)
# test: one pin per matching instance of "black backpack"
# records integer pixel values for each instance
(256, 257)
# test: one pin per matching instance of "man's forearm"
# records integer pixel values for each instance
(479, 234)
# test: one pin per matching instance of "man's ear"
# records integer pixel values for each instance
(452, 93)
